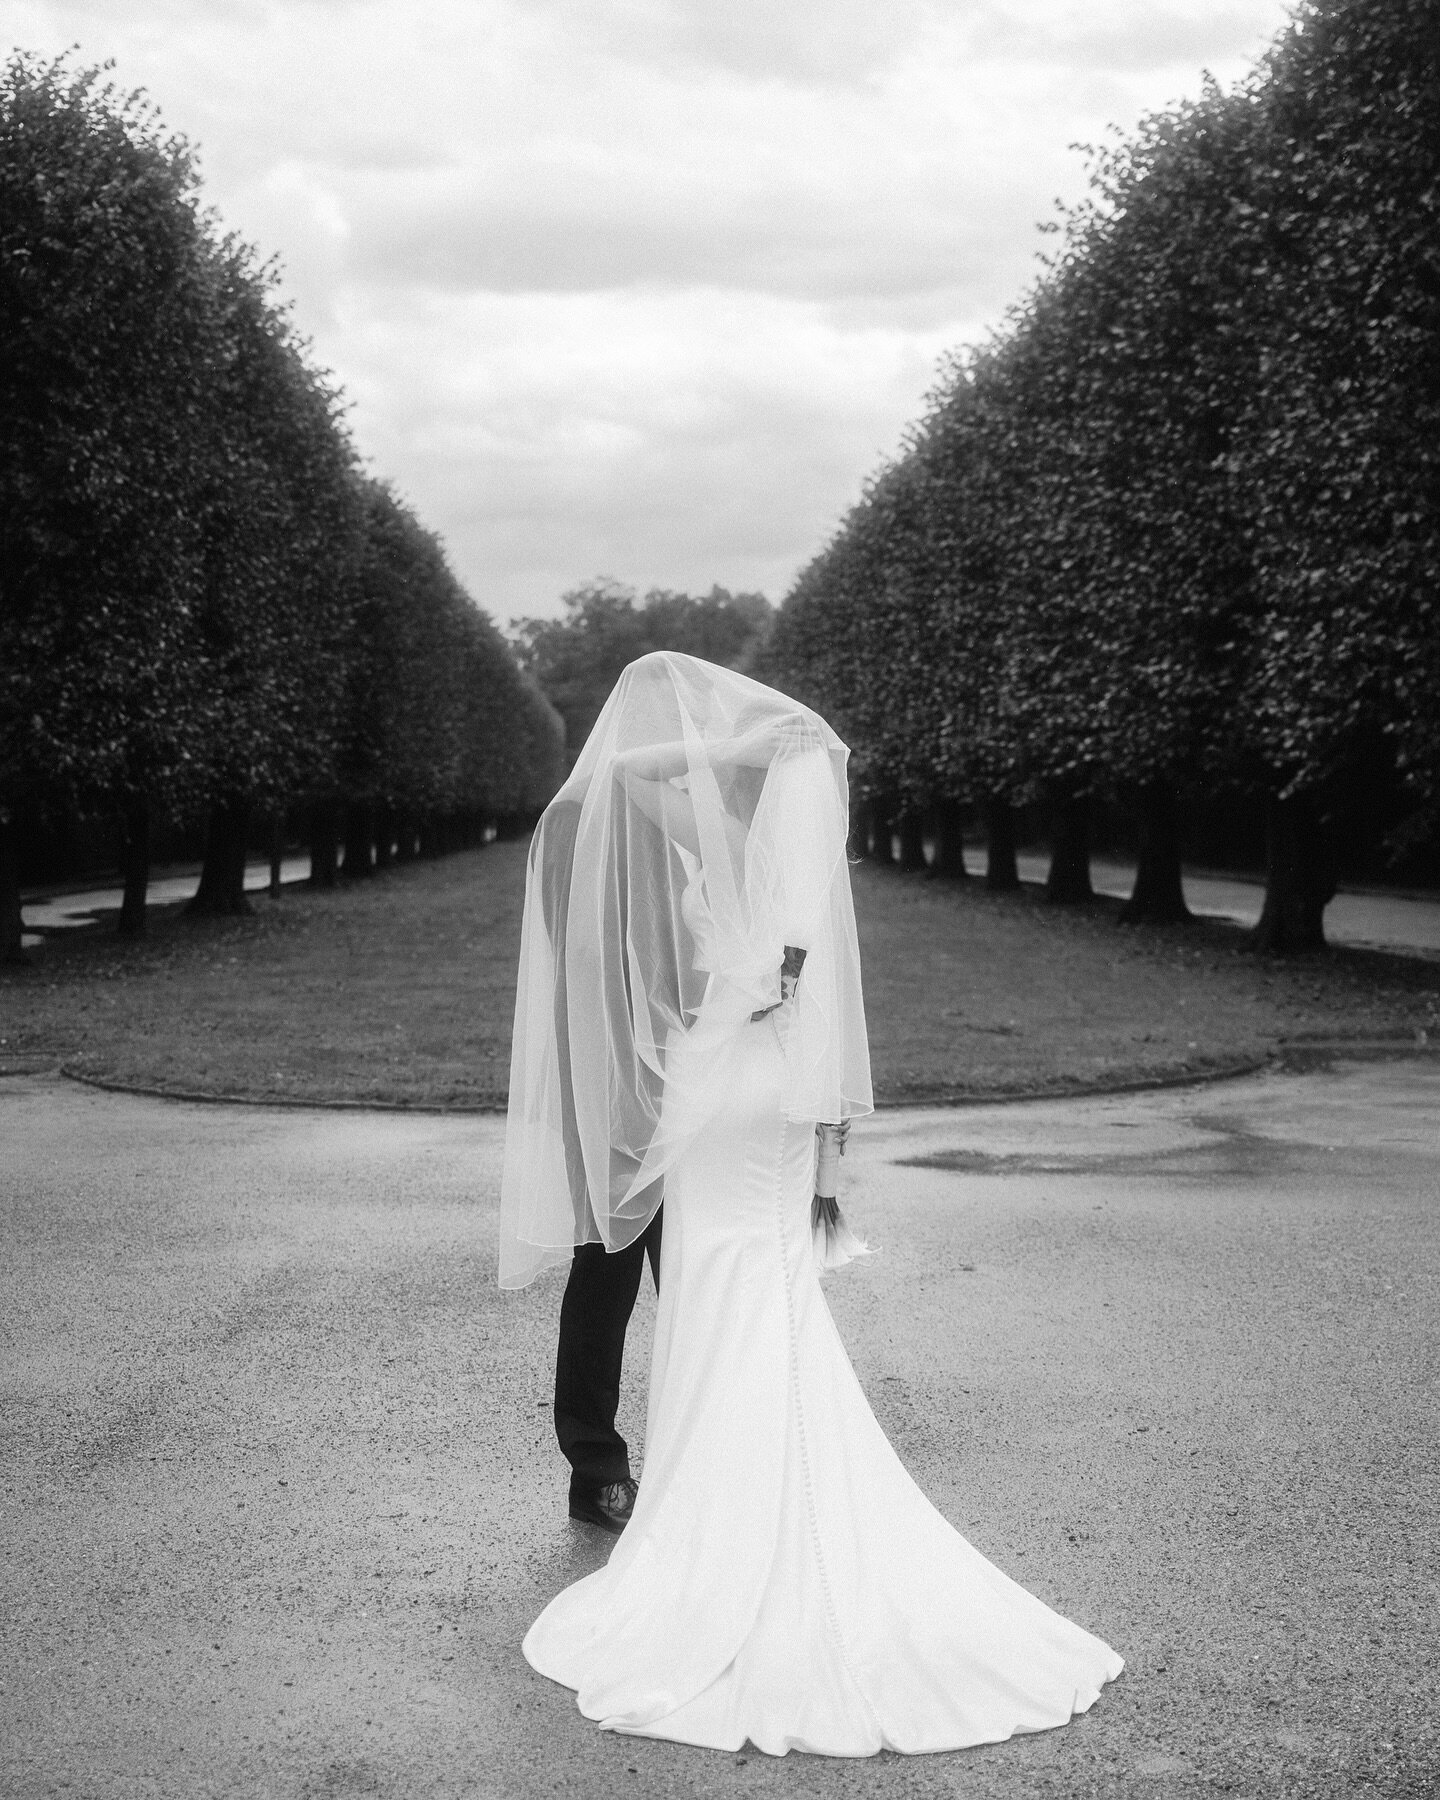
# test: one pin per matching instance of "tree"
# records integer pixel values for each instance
(202, 605)
(1078, 475)
(402, 687)
(1175, 531)
(109, 345)
(284, 535)
(443, 733)
(855, 640)
(1341, 440)
(577, 659)
(1138, 557)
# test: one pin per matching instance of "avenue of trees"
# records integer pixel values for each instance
(577, 658)
(207, 611)
(1173, 538)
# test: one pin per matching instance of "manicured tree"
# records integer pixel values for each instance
(539, 735)
(1061, 628)
(110, 340)
(443, 732)
(514, 740)
(284, 535)
(423, 771)
(1085, 474)
(1139, 364)
(1042, 722)
(811, 655)
(1178, 527)
(383, 684)
(854, 638)
(967, 443)
(1341, 442)
(893, 587)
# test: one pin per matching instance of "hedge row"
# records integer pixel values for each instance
(205, 608)
(1176, 532)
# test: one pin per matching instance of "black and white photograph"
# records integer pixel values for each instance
(719, 899)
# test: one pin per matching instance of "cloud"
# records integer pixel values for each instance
(1128, 37)
(807, 42)
(677, 438)
(643, 287)
(830, 231)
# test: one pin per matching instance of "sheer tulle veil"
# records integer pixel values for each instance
(700, 833)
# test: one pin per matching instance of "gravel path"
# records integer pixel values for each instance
(281, 1495)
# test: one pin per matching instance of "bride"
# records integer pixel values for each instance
(781, 1578)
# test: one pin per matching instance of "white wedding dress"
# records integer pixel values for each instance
(782, 1579)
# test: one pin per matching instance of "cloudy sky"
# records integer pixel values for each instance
(644, 288)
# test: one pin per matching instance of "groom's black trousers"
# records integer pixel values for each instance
(599, 1299)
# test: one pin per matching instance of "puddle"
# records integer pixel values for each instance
(1227, 1149)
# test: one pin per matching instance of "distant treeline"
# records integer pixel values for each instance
(1172, 540)
(577, 658)
(207, 612)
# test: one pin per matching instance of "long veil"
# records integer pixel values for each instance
(699, 837)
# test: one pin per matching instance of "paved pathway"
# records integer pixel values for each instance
(280, 1493)
(1372, 921)
(56, 909)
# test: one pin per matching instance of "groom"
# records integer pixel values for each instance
(600, 1294)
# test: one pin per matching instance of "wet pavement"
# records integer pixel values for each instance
(280, 1493)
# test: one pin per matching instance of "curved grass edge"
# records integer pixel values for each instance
(286, 1102)
(1287, 1057)
(938, 1097)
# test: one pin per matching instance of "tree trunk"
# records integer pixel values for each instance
(1300, 879)
(947, 820)
(384, 837)
(324, 844)
(404, 838)
(358, 838)
(12, 921)
(222, 877)
(1002, 873)
(1068, 883)
(910, 830)
(1159, 893)
(134, 865)
(277, 851)
(879, 844)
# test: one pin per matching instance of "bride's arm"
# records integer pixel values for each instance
(654, 762)
(672, 809)
(754, 749)
(666, 807)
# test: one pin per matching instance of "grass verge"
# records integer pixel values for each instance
(400, 991)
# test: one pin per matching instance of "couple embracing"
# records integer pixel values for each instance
(688, 1014)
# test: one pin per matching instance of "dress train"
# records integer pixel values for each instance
(782, 1579)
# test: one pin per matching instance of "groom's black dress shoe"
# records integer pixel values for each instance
(609, 1506)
